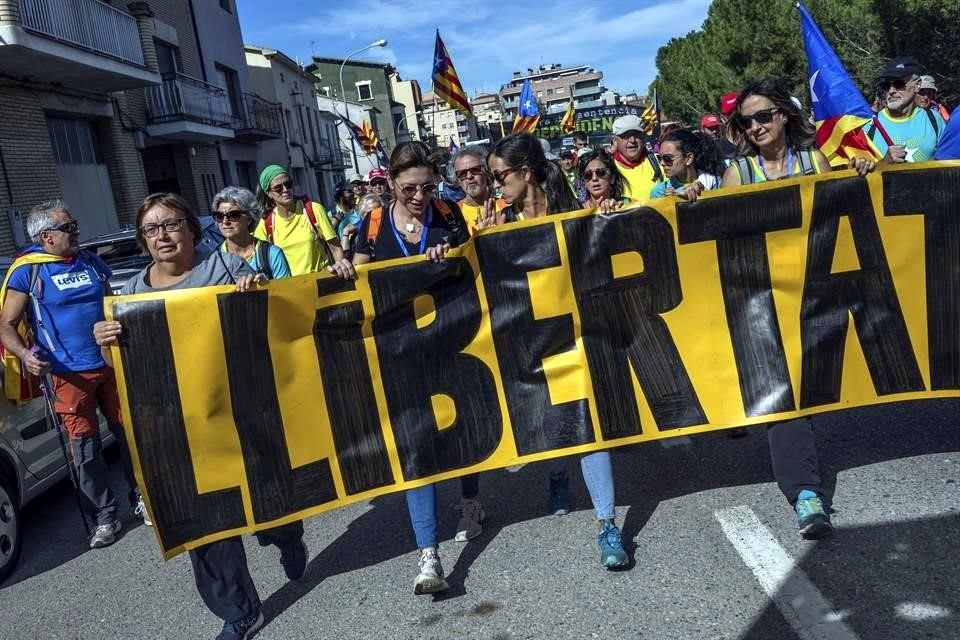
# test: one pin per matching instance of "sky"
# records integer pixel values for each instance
(487, 41)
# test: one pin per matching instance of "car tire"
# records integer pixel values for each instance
(10, 528)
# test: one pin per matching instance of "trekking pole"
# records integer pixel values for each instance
(47, 390)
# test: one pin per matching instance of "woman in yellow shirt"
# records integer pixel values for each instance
(298, 226)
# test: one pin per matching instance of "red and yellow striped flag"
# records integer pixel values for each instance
(569, 122)
(446, 84)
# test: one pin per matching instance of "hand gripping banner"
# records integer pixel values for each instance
(550, 337)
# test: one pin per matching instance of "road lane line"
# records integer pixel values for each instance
(803, 606)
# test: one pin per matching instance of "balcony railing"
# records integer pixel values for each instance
(88, 24)
(587, 91)
(261, 119)
(181, 97)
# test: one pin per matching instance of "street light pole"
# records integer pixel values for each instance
(401, 121)
(343, 96)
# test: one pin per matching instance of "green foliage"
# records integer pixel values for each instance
(742, 40)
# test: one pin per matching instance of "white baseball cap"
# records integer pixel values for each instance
(627, 123)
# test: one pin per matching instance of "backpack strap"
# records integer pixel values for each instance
(311, 216)
(373, 226)
(933, 121)
(35, 301)
(443, 206)
(807, 165)
(745, 169)
(268, 225)
(657, 173)
(263, 259)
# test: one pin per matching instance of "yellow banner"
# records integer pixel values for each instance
(545, 338)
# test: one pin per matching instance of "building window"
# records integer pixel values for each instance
(168, 57)
(225, 5)
(559, 90)
(325, 91)
(227, 79)
(73, 141)
(364, 90)
(549, 92)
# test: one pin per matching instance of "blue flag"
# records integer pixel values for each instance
(528, 112)
(949, 146)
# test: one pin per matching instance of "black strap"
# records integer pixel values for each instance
(933, 121)
(657, 174)
(263, 258)
(745, 169)
(225, 267)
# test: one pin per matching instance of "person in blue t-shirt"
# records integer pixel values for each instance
(237, 214)
(60, 288)
(913, 131)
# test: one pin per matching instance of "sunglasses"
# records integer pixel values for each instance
(233, 216)
(469, 171)
(286, 185)
(600, 174)
(170, 226)
(378, 183)
(668, 159)
(410, 190)
(899, 84)
(500, 176)
(67, 227)
(764, 116)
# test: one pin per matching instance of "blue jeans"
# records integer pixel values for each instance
(422, 506)
(598, 476)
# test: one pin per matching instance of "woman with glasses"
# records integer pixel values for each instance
(169, 230)
(297, 225)
(416, 223)
(535, 187)
(237, 213)
(597, 172)
(692, 163)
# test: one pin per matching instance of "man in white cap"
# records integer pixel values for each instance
(927, 96)
(640, 170)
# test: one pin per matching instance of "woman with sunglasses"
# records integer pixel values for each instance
(378, 183)
(692, 163)
(416, 223)
(774, 137)
(297, 225)
(597, 172)
(237, 214)
(534, 187)
(169, 230)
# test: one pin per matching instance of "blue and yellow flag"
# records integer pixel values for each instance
(446, 84)
(839, 109)
(528, 111)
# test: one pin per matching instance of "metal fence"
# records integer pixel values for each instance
(88, 24)
(180, 97)
(260, 116)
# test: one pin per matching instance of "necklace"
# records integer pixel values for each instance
(789, 165)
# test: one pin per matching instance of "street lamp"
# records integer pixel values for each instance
(343, 96)
(401, 121)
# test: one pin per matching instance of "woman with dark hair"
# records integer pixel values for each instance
(692, 163)
(415, 223)
(597, 172)
(534, 187)
(169, 230)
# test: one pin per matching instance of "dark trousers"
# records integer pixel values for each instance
(93, 477)
(793, 456)
(223, 578)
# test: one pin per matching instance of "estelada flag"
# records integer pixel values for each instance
(446, 84)
(569, 121)
(369, 138)
(528, 111)
(839, 109)
(649, 115)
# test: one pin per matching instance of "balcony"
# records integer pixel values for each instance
(261, 120)
(86, 44)
(189, 110)
(587, 91)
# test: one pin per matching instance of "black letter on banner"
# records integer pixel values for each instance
(156, 418)
(416, 364)
(523, 342)
(940, 208)
(868, 293)
(347, 385)
(621, 322)
(276, 490)
(738, 224)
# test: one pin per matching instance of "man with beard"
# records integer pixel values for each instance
(906, 133)
(640, 170)
(470, 169)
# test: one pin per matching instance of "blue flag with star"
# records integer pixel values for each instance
(528, 111)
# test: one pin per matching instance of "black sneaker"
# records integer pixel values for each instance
(242, 629)
(559, 502)
(294, 560)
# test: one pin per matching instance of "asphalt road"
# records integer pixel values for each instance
(716, 554)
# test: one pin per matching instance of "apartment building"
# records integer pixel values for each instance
(406, 112)
(554, 85)
(444, 124)
(355, 159)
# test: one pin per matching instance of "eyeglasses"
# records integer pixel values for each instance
(470, 171)
(600, 174)
(899, 84)
(151, 230)
(70, 227)
(501, 176)
(232, 216)
(667, 159)
(286, 185)
(410, 190)
(764, 116)
(378, 184)
(626, 135)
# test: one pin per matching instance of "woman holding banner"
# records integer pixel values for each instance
(777, 142)
(535, 187)
(169, 230)
(414, 223)
(597, 172)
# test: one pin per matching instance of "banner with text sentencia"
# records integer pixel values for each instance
(568, 334)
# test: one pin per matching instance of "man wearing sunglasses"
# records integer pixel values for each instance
(60, 289)
(640, 171)
(470, 169)
(906, 132)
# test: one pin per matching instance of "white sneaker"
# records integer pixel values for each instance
(430, 579)
(105, 535)
(471, 519)
(141, 511)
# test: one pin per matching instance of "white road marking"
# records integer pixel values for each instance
(681, 441)
(803, 606)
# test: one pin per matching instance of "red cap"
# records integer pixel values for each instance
(377, 173)
(728, 102)
(709, 121)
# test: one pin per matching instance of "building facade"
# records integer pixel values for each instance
(406, 119)
(444, 125)
(554, 85)
(354, 159)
